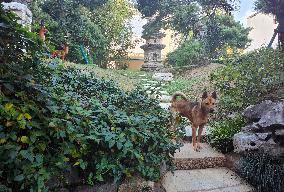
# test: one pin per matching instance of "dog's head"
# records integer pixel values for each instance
(209, 101)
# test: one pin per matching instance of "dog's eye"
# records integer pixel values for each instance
(206, 103)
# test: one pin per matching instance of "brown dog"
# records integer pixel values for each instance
(61, 52)
(196, 112)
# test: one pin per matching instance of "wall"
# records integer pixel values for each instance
(262, 30)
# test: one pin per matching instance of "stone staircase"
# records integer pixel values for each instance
(202, 171)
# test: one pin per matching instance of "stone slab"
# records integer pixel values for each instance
(209, 180)
(165, 98)
(187, 152)
(165, 105)
(163, 76)
(186, 158)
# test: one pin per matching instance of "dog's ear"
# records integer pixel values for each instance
(214, 95)
(204, 95)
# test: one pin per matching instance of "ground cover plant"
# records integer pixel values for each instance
(248, 78)
(266, 173)
(241, 82)
(126, 79)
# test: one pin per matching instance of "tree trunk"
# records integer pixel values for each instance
(281, 32)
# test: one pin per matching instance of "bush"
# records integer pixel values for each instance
(188, 53)
(221, 133)
(247, 79)
(264, 172)
(54, 119)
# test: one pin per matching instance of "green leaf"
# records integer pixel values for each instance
(19, 178)
(27, 155)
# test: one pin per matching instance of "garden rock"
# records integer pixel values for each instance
(22, 11)
(266, 131)
(136, 183)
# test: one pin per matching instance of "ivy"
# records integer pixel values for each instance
(54, 119)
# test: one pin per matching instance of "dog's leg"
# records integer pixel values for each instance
(194, 127)
(200, 129)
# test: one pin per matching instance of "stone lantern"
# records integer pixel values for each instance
(152, 52)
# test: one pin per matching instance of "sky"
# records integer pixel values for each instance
(246, 8)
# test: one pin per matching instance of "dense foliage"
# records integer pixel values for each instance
(187, 54)
(183, 16)
(271, 7)
(266, 173)
(54, 119)
(220, 133)
(98, 26)
(247, 79)
(208, 22)
(224, 37)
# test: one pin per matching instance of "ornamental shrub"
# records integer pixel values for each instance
(220, 133)
(187, 54)
(264, 172)
(247, 79)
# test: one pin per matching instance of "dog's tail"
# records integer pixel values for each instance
(182, 95)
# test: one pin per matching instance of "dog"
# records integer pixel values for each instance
(61, 52)
(196, 112)
(42, 31)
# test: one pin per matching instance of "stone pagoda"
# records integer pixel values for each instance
(152, 52)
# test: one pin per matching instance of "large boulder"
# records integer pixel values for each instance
(265, 131)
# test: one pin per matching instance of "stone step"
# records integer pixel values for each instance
(186, 158)
(165, 98)
(165, 105)
(209, 180)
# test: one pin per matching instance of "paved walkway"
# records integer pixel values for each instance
(202, 171)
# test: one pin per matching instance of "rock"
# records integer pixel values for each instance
(255, 112)
(266, 132)
(68, 178)
(163, 76)
(136, 184)
(274, 116)
(248, 141)
(165, 106)
(107, 187)
(22, 11)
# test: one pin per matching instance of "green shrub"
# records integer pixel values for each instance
(54, 119)
(79, 120)
(246, 80)
(188, 53)
(220, 133)
(264, 172)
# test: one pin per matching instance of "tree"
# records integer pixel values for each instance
(223, 33)
(183, 15)
(275, 7)
(209, 22)
(93, 24)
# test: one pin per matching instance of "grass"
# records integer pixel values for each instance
(192, 82)
(126, 79)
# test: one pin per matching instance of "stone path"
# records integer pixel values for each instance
(202, 171)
